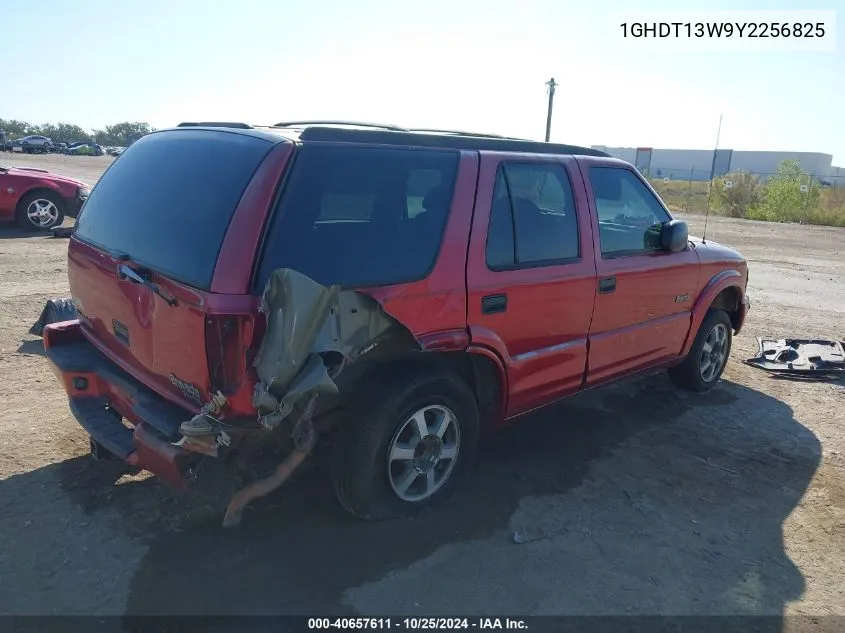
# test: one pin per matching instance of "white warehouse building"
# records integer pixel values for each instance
(696, 164)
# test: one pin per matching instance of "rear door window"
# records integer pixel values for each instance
(533, 221)
(167, 201)
(361, 216)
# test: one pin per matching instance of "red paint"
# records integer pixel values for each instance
(157, 456)
(240, 247)
(17, 182)
(719, 282)
(439, 302)
(547, 306)
(557, 336)
(163, 339)
(639, 324)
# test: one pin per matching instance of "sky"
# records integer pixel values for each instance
(478, 65)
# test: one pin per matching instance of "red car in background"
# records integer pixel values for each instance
(38, 199)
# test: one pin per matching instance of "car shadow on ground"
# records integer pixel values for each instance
(32, 347)
(13, 232)
(683, 496)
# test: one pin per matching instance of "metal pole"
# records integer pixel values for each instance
(552, 85)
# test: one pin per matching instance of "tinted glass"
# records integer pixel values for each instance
(533, 219)
(168, 200)
(500, 250)
(361, 216)
(630, 217)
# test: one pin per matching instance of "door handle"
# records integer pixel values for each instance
(491, 304)
(607, 284)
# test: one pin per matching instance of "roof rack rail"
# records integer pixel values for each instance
(380, 126)
(240, 126)
(446, 141)
(429, 130)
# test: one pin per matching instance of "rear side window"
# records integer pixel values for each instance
(532, 220)
(361, 216)
(168, 200)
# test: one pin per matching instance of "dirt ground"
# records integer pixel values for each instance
(641, 499)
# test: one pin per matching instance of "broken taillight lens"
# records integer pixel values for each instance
(227, 341)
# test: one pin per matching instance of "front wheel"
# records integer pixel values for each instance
(40, 211)
(405, 444)
(708, 356)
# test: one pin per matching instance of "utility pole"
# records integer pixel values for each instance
(552, 85)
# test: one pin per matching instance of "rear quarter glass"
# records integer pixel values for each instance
(167, 201)
(361, 216)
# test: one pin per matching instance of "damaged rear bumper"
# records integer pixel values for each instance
(119, 413)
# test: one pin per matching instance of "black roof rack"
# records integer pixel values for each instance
(240, 126)
(410, 138)
(431, 130)
(359, 124)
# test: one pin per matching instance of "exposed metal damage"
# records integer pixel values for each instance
(313, 333)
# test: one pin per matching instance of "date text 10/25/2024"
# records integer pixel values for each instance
(417, 624)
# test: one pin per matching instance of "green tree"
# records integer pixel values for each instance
(70, 133)
(744, 194)
(122, 134)
(784, 200)
(14, 128)
(119, 134)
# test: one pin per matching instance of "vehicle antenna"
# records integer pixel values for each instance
(712, 174)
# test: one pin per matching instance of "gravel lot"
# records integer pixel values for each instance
(643, 500)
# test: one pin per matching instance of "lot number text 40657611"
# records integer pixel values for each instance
(417, 624)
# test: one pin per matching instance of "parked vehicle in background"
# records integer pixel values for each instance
(38, 199)
(417, 288)
(59, 148)
(33, 144)
(115, 151)
(85, 149)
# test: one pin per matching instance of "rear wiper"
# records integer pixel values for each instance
(128, 273)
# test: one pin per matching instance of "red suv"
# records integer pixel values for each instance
(38, 199)
(401, 290)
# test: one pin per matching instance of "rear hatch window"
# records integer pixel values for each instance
(167, 201)
(361, 216)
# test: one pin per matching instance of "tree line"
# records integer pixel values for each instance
(791, 195)
(117, 135)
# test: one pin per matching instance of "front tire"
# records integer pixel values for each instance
(40, 211)
(407, 441)
(701, 369)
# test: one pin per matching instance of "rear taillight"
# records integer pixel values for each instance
(227, 341)
(227, 337)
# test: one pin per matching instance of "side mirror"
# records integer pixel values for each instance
(674, 236)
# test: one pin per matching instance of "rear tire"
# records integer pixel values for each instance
(40, 211)
(708, 356)
(382, 465)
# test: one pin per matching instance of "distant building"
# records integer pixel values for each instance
(696, 164)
